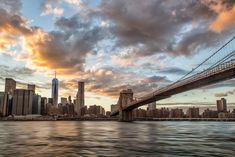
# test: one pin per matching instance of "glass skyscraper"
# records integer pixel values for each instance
(54, 93)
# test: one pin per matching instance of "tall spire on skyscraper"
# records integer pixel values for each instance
(54, 93)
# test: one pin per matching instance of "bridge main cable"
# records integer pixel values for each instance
(206, 59)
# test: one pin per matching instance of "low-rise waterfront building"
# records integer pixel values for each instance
(96, 110)
(193, 112)
(108, 113)
(164, 113)
(114, 107)
(209, 114)
(176, 113)
(139, 113)
(226, 115)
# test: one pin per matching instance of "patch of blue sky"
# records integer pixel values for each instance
(93, 3)
(32, 10)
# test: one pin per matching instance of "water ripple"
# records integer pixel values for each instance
(71, 138)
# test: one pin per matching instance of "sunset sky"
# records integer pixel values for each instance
(113, 45)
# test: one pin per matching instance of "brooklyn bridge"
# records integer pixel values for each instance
(218, 67)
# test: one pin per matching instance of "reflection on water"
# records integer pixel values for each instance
(73, 138)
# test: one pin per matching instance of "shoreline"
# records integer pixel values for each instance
(116, 119)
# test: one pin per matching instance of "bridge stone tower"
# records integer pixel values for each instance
(126, 97)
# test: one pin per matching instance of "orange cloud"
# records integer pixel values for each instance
(225, 20)
(11, 28)
(34, 44)
(8, 35)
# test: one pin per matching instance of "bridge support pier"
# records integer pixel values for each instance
(126, 97)
(125, 116)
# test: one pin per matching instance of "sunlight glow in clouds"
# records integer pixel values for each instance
(225, 20)
(143, 45)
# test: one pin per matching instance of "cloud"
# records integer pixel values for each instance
(123, 61)
(75, 2)
(49, 9)
(12, 6)
(67, 23)
(19, 73)
(172, 27)
(55, 7)
(221, 94)
(108, 82)
(64, 50)
(225, 93)
(136, 30)
(225, 10)
(225, 20)
(173, 70)
(229, 83)
(161, 29)
(12, 26)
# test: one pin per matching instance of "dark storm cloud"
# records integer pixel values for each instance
(155, 26)
(67, 23)
(173, 70)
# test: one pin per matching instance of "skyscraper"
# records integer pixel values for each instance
(43, 105)
(70, 100)
(221, 105)
(3, 103)
(36, 106)
(79, 99)
(54, 93)
(32, 87)
(10, 86)
(22, 102)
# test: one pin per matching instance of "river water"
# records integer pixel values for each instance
(93, 138)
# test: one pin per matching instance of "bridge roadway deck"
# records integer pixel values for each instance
(214, 75)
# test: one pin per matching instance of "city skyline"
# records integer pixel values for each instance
(23, 102)
(87, 41)
(117, 78)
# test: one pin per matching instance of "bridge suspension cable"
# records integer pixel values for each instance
(221, 66)
(210, 57)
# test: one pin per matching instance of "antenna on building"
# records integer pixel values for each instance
(55, 73)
